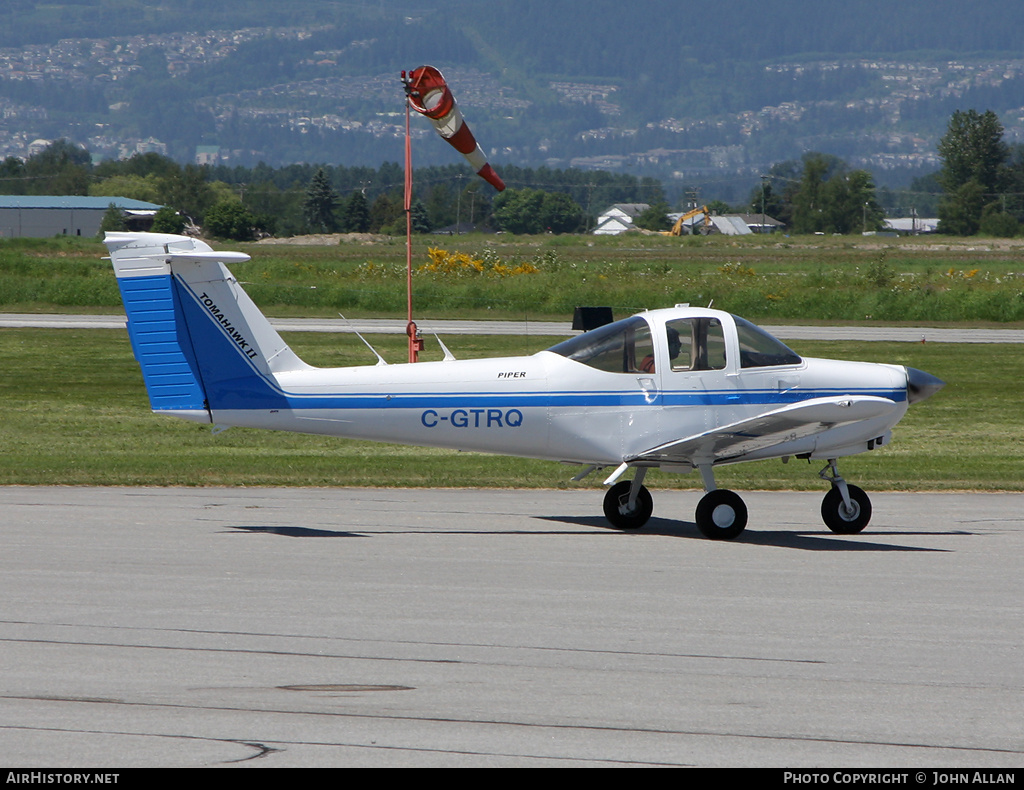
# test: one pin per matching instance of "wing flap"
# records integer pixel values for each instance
(788, 424)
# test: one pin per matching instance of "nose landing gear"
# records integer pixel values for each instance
(846, 509)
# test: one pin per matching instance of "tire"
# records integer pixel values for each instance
(721, 514)
(834, 514)
(617, 497)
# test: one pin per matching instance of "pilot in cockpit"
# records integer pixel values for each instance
(674, 347)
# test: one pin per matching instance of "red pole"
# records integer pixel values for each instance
(410, 327)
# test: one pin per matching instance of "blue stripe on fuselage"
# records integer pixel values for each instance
(233, 383)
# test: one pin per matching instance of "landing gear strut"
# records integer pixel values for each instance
(846, 509)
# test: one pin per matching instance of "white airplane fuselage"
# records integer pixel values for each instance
(545, 406)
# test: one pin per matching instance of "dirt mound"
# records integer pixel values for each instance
(329, 239)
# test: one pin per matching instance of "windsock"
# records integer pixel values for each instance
(429, 95)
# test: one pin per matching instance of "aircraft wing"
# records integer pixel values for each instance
(787, 424)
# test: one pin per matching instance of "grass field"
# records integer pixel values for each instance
(801, 279)
(75, 411)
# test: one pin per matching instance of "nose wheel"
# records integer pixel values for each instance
(842, 518)
(846, 509)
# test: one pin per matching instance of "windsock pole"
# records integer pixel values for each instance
(410, 327)
(427, 92)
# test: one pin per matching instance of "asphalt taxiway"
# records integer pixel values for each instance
(392, 627)
(910, 334)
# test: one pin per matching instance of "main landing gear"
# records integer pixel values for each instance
(628, 504)
(722, 515)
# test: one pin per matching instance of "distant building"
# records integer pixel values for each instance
(761, 223)
(619, 218)
(207, 154)
(912, 226)
(745, 224)
(41, 216)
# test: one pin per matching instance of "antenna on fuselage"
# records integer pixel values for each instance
(380, 359)
(448, 355)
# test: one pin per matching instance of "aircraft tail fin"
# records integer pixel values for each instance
(201, 342)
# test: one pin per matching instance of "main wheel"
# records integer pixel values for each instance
(721, 514)
(615, 506)
(838, 518)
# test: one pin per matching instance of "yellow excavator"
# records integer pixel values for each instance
(677, 229)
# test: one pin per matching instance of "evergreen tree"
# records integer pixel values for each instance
(318, 207)
(385, 211)
(355, 214)
(420, 218)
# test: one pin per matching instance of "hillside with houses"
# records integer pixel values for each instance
(692, 104)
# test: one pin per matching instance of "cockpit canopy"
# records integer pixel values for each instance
(695, 342)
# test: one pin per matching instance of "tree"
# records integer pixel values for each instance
(318, 207)
(850, 205)
(62, 168)
(764, 199)
(973, 150)
(535, 211)
(385, 211)
(973, 170)
(998, 223)
(229, 219)
(113, 220)
(829, 198)
(136, 187)
(189, 191)
(355, 214)
(12, 171)
(420, 218)
(167, 220)
(809, 197)
(560, 213)
(654, 217)
(960, 211)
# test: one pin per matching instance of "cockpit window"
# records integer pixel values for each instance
(622, 347)
(759, 349)
(696, 344)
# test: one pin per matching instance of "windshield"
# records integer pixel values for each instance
(622, 347)
(759, 349)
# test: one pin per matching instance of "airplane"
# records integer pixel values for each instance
(680, 389)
